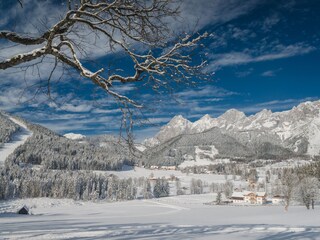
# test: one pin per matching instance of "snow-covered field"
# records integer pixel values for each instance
(182, 217)
(185, 178)
(137, 172)
(18, 139)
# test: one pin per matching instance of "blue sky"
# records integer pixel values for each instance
(263, 53)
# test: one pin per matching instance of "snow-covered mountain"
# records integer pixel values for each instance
(74, 136)
(177, 126)
(22, 142)
(292, 132)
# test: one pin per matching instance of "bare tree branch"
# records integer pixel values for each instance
(20, 2)
(124, 25)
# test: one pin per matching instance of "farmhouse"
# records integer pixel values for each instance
(249, 197)
(169, 168)
(255, 197)
(237, 197)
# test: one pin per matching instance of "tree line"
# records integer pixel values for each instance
(16, 182)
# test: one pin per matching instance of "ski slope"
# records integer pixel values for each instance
(18, 139)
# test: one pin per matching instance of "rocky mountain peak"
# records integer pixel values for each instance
(179, 120)
(232, 115)
(206, 117)
(265, 113)
(204, 123)
(309, 107)
(177, 126)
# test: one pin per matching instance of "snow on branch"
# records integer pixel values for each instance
(124, 25)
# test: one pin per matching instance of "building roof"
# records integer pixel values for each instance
(246, 193)
(258, 194)
(237, 195)
(261, 194)
(23, 210)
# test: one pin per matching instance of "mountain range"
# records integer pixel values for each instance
(292, 133)
(233, 135)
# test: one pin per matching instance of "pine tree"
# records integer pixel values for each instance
(161, 188)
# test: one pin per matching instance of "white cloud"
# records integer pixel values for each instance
(270, 73)
(204, 92)
(276, 105)
(202, 12)
(270, 21)
(286, 102)
(251, 56)
(243, 74)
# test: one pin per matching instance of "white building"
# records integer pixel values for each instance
(249, 197)
(255, 197)
(237, 197)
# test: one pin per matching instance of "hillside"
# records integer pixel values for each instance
(16, 134)
(52, 151)
(7, 128)
(45, 164)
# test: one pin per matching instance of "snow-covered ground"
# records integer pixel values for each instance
(181, 217)
(18, 139)
(185, 178)
(203, 157)
(137, 172)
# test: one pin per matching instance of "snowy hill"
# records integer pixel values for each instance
(268, 135)
(36, 146)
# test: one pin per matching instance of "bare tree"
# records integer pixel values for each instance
(288, 183)
(124, 25)
(308, 191)
(228, 188)
(219, 198)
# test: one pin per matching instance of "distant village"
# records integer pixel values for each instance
(239, 195)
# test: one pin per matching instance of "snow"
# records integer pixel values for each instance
(180, 217)
(198, 162)
(269, 124)
(140, 147)
(204, 123)
(289, 163)
(18, 139)
(151, 142)
(314, 140)
(74, 136)
(203, 158)
(238, 194)
(206, 154)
